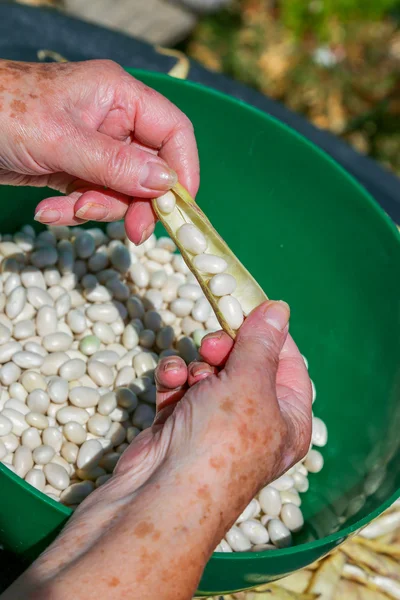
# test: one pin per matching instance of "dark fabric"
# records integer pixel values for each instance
(24, 30)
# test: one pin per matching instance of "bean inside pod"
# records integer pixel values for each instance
(229, 287)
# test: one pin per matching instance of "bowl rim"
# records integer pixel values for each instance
(338, 536)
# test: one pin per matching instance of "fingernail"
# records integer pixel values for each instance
(215, 335)
(201, 370)
(146, 233)
(171, 366)
(157, 177)
(47, 215)
(92, 211)
(277, 315)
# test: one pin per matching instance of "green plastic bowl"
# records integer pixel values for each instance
(312, 236)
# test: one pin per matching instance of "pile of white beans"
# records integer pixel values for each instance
(84, 318)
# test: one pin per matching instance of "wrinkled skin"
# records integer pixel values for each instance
(220, 434)
(78, 127)
(225, 426)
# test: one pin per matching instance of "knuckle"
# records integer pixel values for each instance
(119, 166)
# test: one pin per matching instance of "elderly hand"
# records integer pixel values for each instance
(224, 428)
(94, 132)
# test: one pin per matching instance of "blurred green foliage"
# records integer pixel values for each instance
(335, 61)
(302, 16)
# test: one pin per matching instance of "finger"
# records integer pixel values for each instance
(102, 206)
(171, 377)
(255, 355)
(82, 205)
(140, 221)
(125, 168)
(160, 124)
(216, 347)
(197, 371)
(293, 388)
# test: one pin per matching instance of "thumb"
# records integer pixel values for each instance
(122, 167)
(255, 354)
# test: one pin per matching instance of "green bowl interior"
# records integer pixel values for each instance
(312, 236)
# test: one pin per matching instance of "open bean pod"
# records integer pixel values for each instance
(231, 290)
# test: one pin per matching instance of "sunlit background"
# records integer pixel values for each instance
(335, 61)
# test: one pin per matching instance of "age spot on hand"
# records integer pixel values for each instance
(17, 106)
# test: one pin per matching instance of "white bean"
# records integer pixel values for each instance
(24, 329)
(31, 438)
(279, 534)
(84, 397)
(36, 478)
(27, 360)
(249, 512)
(76, 320)
(231, 310)
(139, 275)
(201, 310)
(125, 376)
(237, 540)
(52, 437)
(143, 363)
(291, 496)
(72, 369)
(43, 454)
(166, 203)
(19, 424)
(17, 405)
(5, 334)
(181, 307)
(15, 302)
(18, 391)
(190, 291)
(22, 461)
(11, 442)
(116, 434)
(89, 454)
(52, 363)
(46, 321)
(270, 501)
(106, 313)
(57, 476)
(5, 425)
(210, 264)
(77, 492)
(192, 239)
(101, 374)
(75, 432)
(32, 277)
(39, 297)
(99, 425)
(319, 432)
(8, 350)
(72, 413)
(107, 403)
(292, 517)
(300, 482)
(254, 531)
(57, 342)
(314, 461)
(37, 420)
(9, 373)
